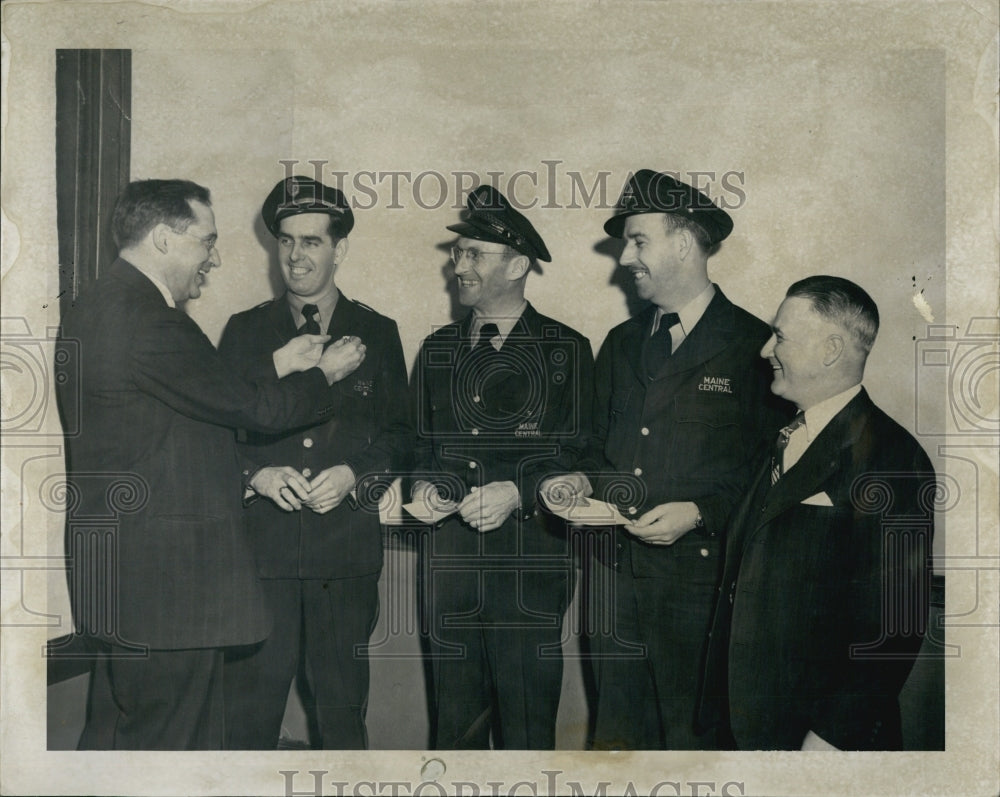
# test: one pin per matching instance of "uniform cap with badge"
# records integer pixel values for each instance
(647, 191)
(491, 218)
(296, 194)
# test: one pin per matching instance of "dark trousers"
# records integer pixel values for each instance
(165, 700)
(330, 622)
(649, 639)
(496, 648)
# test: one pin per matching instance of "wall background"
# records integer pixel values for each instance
(866, 134)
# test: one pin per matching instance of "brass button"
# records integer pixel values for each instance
(644, 431)
(307, 472)
(308, 442)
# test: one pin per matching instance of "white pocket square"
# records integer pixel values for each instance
(820, 499)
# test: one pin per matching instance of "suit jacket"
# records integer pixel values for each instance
(823, 608)
(155, 540)
(519, 414)
(684, 434)
(370, 431)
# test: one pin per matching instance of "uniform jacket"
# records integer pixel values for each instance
(823, 607)
(157, 551)
(369, 430)
(683, 434)
(518, 414)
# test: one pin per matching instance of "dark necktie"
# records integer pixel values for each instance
(486, 334)
(778, 458)
(310, 313)
(656, 349)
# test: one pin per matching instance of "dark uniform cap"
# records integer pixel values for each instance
(295, 195)
(655, 192)
(491, 218)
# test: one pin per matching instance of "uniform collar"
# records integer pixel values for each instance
(690, 314)
(326, 307)
(505, 323)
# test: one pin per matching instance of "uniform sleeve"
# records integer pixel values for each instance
(571, 423)
(591, 459)
(173, 360)
(389, 451)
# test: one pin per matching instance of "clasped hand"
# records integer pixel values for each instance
(485, 508)
(290, 490)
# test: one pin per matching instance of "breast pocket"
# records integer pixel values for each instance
(707, 434)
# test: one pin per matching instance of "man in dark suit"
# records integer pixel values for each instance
(501, 403)
(163, 587)
(318, 545)
(824, 599)
(681, 402)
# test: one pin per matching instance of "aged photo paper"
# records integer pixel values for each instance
(851, 138)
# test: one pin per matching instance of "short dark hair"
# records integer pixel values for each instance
(145, 203)
(844, 303)
(671, 222)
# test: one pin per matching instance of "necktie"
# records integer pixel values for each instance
(656, 349)
(486, 334)
(310, 313)
(778, 458)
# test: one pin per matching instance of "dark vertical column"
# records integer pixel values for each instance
(93, 138)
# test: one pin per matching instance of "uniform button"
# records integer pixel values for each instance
(308, 442)
(632, 510)
(637, 471)
(306, 472)
(703, 551)
(644, 431)
(618, 566)
(472, 466)
(364, 393)
(619, 547)
(475, 399)
(475, 432)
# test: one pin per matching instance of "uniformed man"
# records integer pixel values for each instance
(498, 400)
(315, 533)
(681, 402)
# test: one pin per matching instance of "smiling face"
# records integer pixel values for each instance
(654, 256)
(481, 269)
(308, 255)
(796, 350)
(192, 255)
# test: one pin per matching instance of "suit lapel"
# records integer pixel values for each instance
(633, 339)
(712, 333)
(829, 453)
(279, 320)
(342, 320)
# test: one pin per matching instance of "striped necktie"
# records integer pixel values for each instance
(778, 458)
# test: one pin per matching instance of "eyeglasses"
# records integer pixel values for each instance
(208, 241)
(473, 254)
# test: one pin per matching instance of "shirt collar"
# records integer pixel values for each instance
(505, 323)
(819, 415)
(691, 313)
(326, 307)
